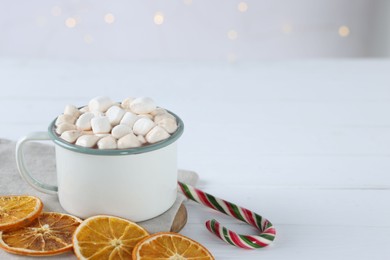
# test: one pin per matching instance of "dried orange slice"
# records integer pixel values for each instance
(18, 211)
(168, 245)
(50, 234)
(106, 237)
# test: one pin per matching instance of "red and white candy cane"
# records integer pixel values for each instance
(267, 230)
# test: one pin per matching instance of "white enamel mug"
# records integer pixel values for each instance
(136, 184)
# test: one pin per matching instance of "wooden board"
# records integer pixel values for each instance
(180, 219)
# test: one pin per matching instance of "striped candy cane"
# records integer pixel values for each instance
(267, 230)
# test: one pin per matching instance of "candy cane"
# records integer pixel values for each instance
(266, 228)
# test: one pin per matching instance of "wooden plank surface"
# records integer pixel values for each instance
(305, 143)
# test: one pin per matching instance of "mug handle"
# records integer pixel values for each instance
(26, 175)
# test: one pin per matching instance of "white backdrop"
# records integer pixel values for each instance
(306, 143)
(193, 29)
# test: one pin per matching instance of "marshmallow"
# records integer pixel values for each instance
(107, 142)
(84, 109)
(120, 131)
(72, 111)
(146, 115)
(142, 105)
(87, 140)
(100, 103)
(142, 139)
(88, 132)
(71, 135)
(115, 114)
(102, 135)
(97, 113)
(168, 124)
(156, 134)
(84, 121)
(142, 126)
(65, 118)
(129, 141)
(129, 119)
(159, 117)
(110, 125)
(65, 127)
(158, 111)
(126, 103)
(101, 125)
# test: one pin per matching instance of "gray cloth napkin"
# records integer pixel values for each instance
(40, 160)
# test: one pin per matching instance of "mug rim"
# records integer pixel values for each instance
(137, 150)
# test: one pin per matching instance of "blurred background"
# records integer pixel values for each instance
(228, 30)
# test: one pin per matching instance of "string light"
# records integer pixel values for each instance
(70, 22)
(232, 35)
(56, 11)
(88, 39)
(242, 7)
(158, 18)
(344, 31)
(109, 18)
(287, 28)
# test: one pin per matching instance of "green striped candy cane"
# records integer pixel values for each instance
(267, 230)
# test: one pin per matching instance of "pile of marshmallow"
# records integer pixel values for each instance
(104, 124)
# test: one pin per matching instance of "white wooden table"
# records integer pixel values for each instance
(305, 144)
